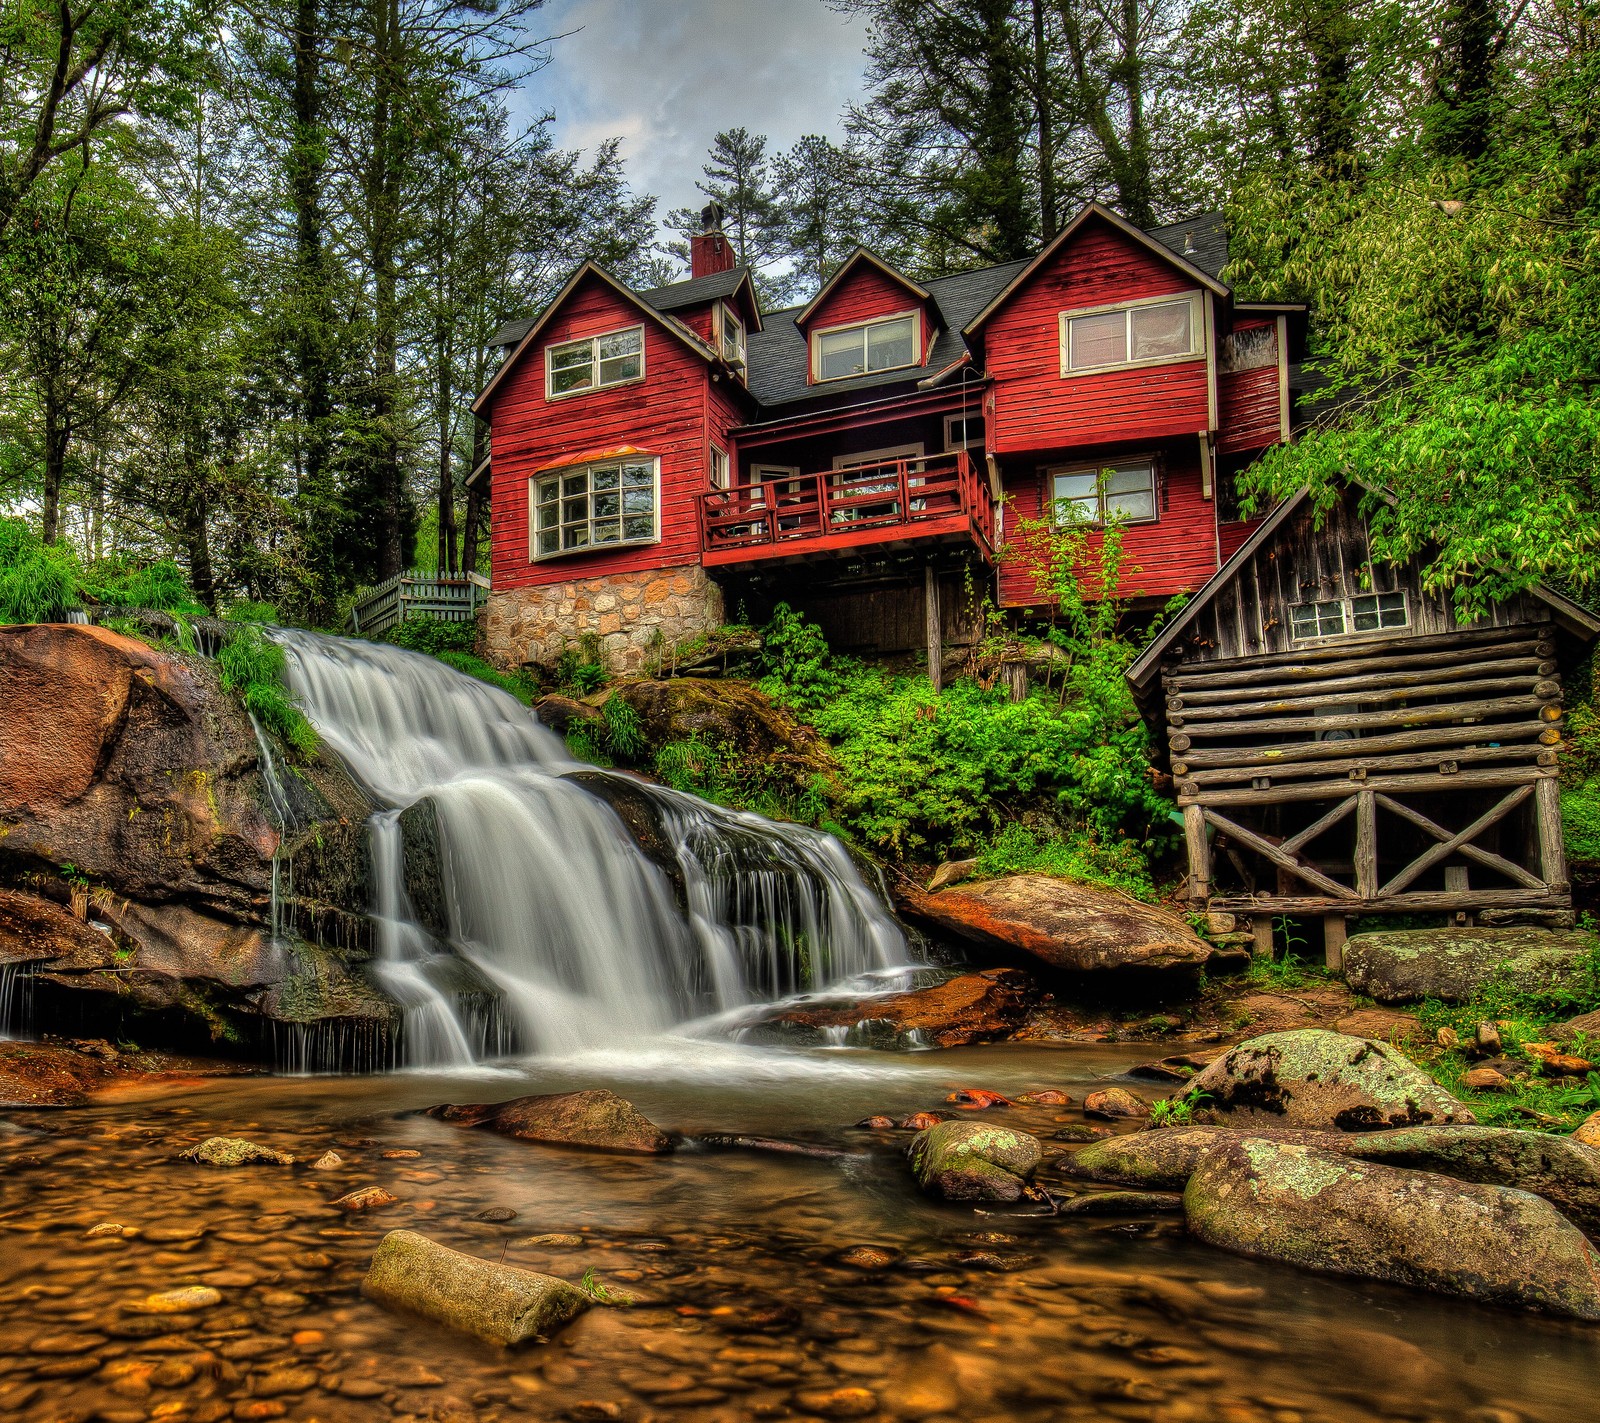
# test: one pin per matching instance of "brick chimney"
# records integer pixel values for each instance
(709, 250)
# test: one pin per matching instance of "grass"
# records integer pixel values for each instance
(250, 666)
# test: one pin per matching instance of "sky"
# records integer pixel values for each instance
(667, 75)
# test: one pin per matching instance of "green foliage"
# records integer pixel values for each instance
(796, 662)
(518, 684)
(251, 667)
(433, 636)
(620, 729)
(1177, 1111)
(1017, 850)
(582, 669)
(38, 583)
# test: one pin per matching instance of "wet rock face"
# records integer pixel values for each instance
(596, 1120)
(974, 1161)
(1073, 928)
(67, 1074)
(1321, 1080)
(1453, 965)
(132, 794)
(1312, 1208)
(500, 1303)
(970, 1008)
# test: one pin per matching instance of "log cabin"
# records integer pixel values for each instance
(663, 459)
(1343, 743)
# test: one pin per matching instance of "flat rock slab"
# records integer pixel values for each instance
(1320, 1080)
(1455, 965)
(71, 1073)
(1303, 1206)
(595, 1120)
(1074, 928)
(500, 1303)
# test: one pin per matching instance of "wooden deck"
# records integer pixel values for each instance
(937, 497)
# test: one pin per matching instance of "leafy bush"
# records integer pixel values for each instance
(119, 583)
(251, 667)
(38, 584)
(1017, 850)
(581, 670)
(433, 636)
(620, 728)
(1580, 820)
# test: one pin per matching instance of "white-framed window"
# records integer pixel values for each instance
(1098, 494)
(1334, 617)
(717, 471)
(595, 506)
(963, 432)
(1372, 612)
(1150, 332)
(615, 358)
(731, 338)
(885, 344)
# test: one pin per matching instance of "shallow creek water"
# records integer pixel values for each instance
(748, 1307)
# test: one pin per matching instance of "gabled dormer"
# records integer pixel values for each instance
(868, 318)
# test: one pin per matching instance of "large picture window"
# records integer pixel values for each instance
(1141, 334)
(871, 346)
(594, 363)
(594, 506)
(1123, 492)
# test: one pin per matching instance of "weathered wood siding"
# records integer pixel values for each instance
(1174, 554)
(1306, 561)
(1034, 408)
(664, 415)
(1248, 388)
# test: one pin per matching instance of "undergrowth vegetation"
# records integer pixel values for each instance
(42, 582)
(250, 666)
(452, 644)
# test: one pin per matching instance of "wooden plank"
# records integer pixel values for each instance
(1180, 713)
(1317, 827)
(1261, 934)
(1366, 855)
(1528, 751)
(1547, 821)
(1457, 842)
(1333, 939)
(1284, 795)
(1443, 901)
(933, 624)
(1265, 847)
(1291, 751)
(1199, 848)
(1471, 852)
(1205, 693)
(1433, 649)
(1360, 721)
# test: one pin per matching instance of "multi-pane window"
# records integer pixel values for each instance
(1130, 335)
(1123, 492)
(730, 333)
(1366, 612)
(594, 506)
(718, 471)
(595, 362)
(858, 350)
(1373, 611)
(1325, 619)
(963, 432)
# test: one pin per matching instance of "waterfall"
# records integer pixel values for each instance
(554, 931)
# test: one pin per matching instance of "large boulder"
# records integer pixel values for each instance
(499, 1303)
(1074, 928)
(1303, 1206)
(1313, 1078)
(596, 1120)
(1455, 965)
(1165, 1159)
(974, 1161)
(969, 1008)
(137, 792)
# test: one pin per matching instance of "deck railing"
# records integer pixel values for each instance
(416, 594)
(892, 496)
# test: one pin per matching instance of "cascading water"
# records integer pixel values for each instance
(558, 932)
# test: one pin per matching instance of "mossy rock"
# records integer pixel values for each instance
(1459, 965)
(974, 1161)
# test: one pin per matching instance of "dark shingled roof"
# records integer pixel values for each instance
(1201, 240)
(779, 362)
(696, 290)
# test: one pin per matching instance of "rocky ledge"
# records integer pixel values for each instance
(148, 832)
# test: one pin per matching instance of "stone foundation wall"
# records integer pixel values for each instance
(624, 610)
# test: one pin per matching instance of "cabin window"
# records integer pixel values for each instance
(1373, 611)
(1125, 493)
(594, 506)
(731, 338)
(1317, 619)
(870, 346)
(1142, 333)
(719, 468)
(963, 432)
(594, 363)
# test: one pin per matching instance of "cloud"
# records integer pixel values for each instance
(667, 75)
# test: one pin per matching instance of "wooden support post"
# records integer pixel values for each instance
(1333, 936)
(1552, 853)
(1261, 927)
(1194, 835)
(1366, 844)
(934, 627)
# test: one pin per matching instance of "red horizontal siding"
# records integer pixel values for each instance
(1249, 417)
(1231, 537)
(1174, 554)
(699, 320)
(866, 293)
(665, 414)
(1035, 409)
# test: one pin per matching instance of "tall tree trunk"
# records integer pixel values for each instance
(1134, 186)
(382, 206)
(57, 433)
(1048, 220)
(1464, 86)
(197, 535)
(1330, 38)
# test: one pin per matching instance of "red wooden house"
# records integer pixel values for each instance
(662, 459)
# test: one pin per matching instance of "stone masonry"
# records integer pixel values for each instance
(625, 611)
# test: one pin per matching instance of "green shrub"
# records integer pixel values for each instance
(620, 728)
(38, 584)
(121, 583)
(433, 636)
(1016, 850)
(251, 667)
(1580, 820)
